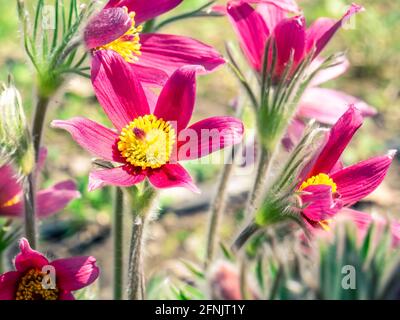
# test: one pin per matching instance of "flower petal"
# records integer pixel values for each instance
(339, 137)
(105, 27)
(172, 176)
(207, 136)
(97, 139)
(124, 176)
(28, 258)
(323, 29)
(294, 133)
(327, 74)
(145, 9)
(327, 105)
(359, 180)
(252, 31)
(149, 76)
(9, 185)
(66, 295)
(75, 273)
(290, 37)
(56, 198)
(287, 5)
(319, 203)
(8, 285)
(117, 88)
(177, 98)
(169, 52)
(272, 15)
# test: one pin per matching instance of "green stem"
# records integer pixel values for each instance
(118, 243)
(38, 122)
(217, 209)
(1, 262)
(136, 282)
(243, 279)
(30, 217)
(29, 183)
(264, 164)
(245, 235)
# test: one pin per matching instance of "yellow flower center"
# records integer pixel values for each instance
(128, 45)
(11, 202)
(321, 178)
(30, 287)
(147, 142)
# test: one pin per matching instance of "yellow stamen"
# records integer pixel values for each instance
(128, 45)
(147, 142)
(30, 287)
(11, 202)
(321, 178)
(325, 224)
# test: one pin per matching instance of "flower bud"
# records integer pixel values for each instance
(15, 140)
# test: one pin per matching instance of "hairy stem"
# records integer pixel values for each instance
(38, 122)
(1, 262)
(245, 235)
(263, 167)
(136, 282)
(216, 212)
(118, 243)
(30, 181)
(243, 279)
(30, 218)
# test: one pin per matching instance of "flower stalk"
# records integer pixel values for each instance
(118, 243)
(143, 206)
(30, 210)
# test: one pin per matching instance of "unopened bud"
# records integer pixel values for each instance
(15, 140)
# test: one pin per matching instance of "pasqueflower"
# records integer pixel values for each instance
(325, 186)
(152, 56)
(30, 282)
(364, 220)
(255, 26)
(48, 201)
(149, 140)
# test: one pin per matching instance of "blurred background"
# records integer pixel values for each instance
(178, 233)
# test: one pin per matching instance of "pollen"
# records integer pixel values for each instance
(30, 287)
(11, 202)
(147, 142)
(319, 179)
(325, 224)
(128, 45)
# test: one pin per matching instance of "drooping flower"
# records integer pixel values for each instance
(149, 140)
(325, 187)
(152, 56)
(255, 26)
(48, 201)
(32, 278)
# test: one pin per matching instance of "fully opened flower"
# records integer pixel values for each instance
(153, 57)
(325, 186)
(255, 26)
(149, 140)
(48, 201)
(29, 281)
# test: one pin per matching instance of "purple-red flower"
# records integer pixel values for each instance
(48, 201)
(364, 220)
(153, 57)
(255, 26)
(29, 281)
(325, 186)
(149, 139)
